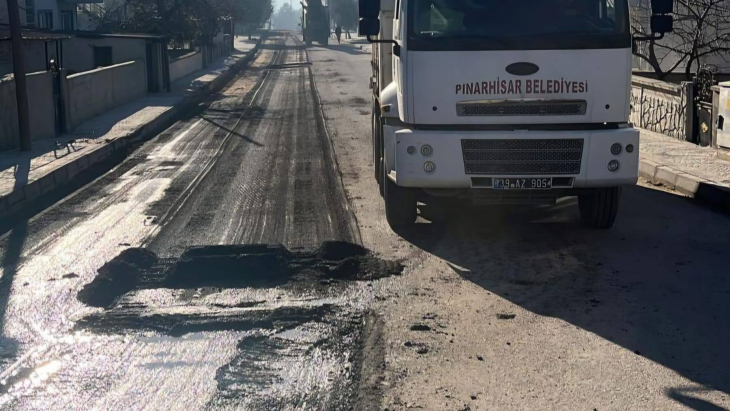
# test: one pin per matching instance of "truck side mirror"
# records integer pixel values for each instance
(369, 9)
(662, 6)
(368, 27)
(661, 20)
(662, 24)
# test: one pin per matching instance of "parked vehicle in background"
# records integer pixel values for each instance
(315, 22)
(519, 102)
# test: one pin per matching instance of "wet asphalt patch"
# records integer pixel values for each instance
(313, 353)
(233, 266)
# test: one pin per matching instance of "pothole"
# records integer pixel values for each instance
(233, 266)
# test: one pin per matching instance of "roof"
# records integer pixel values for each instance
(38, 38)
(50, 35)
(95, 34)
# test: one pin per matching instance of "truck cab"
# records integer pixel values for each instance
(513, 102)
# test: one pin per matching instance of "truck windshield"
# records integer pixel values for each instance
(518, 24)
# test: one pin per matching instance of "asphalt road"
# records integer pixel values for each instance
(241, 260)
(146, 289)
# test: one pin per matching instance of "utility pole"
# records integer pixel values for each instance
(21, 90)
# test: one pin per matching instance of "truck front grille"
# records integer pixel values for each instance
(523, 157)
(521, 108)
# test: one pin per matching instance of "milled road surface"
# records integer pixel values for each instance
(221, 266)
(146, 289)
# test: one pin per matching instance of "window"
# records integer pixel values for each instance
(30, 12)
(102, 56)
(67, 20)
(520, 24)
(45, 19)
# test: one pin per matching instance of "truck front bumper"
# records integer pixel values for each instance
(406, 161)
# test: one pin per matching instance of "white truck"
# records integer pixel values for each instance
(504, 101)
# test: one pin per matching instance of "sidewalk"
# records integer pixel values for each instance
(690, 169)
(53, 162)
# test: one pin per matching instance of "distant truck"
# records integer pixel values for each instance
(315, 22)
(507, 102)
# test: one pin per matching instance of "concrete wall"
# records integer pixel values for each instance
(662, 107)
(94, 92)
(78, 52)
(40, 103)
(186, 64)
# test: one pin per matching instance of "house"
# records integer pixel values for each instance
(51, 14)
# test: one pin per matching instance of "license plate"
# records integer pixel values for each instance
(522, 183)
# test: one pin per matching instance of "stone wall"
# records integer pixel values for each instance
(662, 107)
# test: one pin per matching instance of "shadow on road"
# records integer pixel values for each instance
(656, 284)
(680, 395)
(11, 252)
(235, 133)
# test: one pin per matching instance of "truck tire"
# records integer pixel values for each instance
(400, 203)
(599, 206)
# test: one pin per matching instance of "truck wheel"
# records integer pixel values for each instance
(599, 206)
(400, 203)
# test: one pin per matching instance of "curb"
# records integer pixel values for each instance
(18, 199)
(698, 188)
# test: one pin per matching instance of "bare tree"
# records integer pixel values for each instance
(104, 15)
(344, 13)
(701, 30)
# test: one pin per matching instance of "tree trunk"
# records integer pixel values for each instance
(688, 69)
(654, 62)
